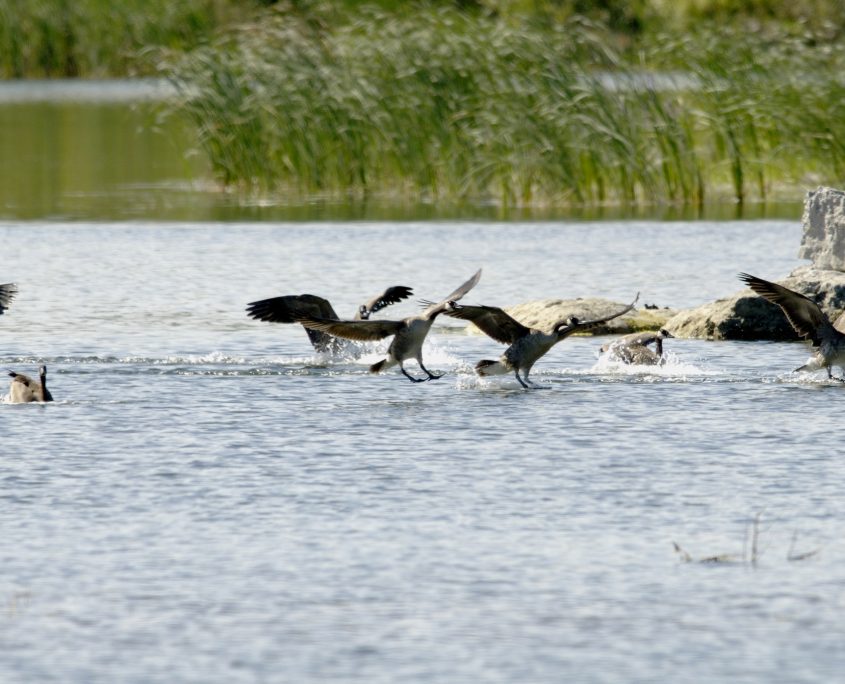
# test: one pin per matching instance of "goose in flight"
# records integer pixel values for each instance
(527, 345)
(633, 349)
(23, 389)
(408, 334)
(7, 294)
(808, 320)
(289, 308)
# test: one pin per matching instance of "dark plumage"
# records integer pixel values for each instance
(527, 345)
(7, 294)
(409, 333)
(290, 308)
(808, 320)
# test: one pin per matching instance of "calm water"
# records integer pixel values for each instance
(207, 501)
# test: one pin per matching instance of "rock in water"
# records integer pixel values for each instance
(746, 316)
(824, 229)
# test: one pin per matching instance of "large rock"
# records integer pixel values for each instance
(747, 316)
(824, 229)
(545, 313)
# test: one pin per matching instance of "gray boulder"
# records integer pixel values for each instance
(746, 316)
(824, 229)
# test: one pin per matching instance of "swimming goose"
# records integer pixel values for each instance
(24, 389)
(808, 320)
(288, 308)
(7, 294)
(409, 333)
(527, 345)
(633, 349)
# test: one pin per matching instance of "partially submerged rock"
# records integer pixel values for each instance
(545, 313)
(746, 316)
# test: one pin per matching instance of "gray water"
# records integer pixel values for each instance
(208, 501)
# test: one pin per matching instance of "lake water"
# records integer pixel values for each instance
(207, 501)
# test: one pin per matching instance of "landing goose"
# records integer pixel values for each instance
(408, 334)
(634, 348)
(527, 345)
(808, 320)
(7, 294)
(23, 389)
(288, 308)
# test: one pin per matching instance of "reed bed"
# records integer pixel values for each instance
(61, 38)
(445, 105)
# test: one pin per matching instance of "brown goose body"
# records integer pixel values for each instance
(527, 345)
(24, 389)
(408, 333)
(634, 348)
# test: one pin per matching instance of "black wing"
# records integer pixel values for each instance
(7, 294)
(392, 295)
(803, 314)
(290, 307)
(492, 321)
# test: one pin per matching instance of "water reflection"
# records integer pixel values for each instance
(102, 150)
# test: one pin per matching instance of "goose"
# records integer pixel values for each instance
(527, 345)
(408, 334)
(286, 309)
(633, 349)
(7, 294)
(24, 389)
(808, 320)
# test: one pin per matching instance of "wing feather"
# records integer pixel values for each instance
(361, 331)
(454, 296)
(7, 294)
(392, 295)
(492, 321)
(803, 314)
(586, 325)
(288, 308)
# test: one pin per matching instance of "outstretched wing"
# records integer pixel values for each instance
(492, 321)
(453, 296)
(290, 307)
(803, 314)
(361, 331)
(392, 295)
(566, 328)
(7, 294)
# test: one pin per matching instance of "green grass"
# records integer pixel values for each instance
(455, 106)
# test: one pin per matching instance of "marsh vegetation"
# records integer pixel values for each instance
(448, 105)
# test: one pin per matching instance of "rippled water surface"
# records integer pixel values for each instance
(207, 500)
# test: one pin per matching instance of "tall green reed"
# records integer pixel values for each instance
(446, 105)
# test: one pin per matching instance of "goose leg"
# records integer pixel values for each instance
(409, 376)
(431, 376)
(521, 382)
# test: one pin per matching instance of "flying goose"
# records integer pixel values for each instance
(409, 333)
(288, 308)
(808, 320)
(633, 349)
(527, 345)
(24, 389)
(7, 294)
